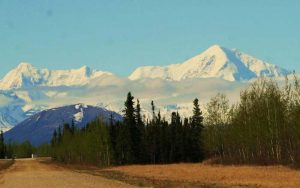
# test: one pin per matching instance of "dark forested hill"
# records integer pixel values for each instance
(39, 128)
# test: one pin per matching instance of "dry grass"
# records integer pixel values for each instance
(253, 176)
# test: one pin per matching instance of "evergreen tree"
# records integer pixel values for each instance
(113, 133)
(196, 149)
(186, 141)
(73, 126)
(173, 137)
(129, 117)
(153, 110)
(2, 146)
(129, 133)
(54, 138)
(197, 118)
(59, 134)
(140, 140)
(138, 114)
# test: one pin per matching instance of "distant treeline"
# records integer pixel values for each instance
(262, 128)
(21, 150)
(132, 141)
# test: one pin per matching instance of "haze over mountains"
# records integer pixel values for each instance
(27, 90)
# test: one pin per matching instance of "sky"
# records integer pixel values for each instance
(121, 35)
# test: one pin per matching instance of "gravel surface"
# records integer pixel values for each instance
(30, 173)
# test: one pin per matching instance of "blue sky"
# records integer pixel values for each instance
(119, 36)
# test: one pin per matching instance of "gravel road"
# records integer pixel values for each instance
(30, 173)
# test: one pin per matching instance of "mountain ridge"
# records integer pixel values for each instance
(26, 75)
(215, 62)
(39, 128)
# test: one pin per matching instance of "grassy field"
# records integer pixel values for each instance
(4, 164)
(205, 175)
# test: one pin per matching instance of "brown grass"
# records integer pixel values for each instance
(206, 174)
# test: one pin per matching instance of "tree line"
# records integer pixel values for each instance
(263, 128)
(20, 150)
(132, 141)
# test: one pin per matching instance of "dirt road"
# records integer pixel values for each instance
(29, 173)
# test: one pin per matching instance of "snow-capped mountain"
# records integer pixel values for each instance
(39, 128)
(11, 112)
(27, 90)
(215, 62)
(26, 76)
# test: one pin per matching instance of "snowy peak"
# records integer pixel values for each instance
(24, 66)
(85, 70)
(215, 62)
(215, 50)
(25, 75)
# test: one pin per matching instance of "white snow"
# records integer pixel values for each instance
(77, 106)
(79, 116)
(215, 62)
(25, 75)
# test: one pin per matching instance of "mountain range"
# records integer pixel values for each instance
(25, 76)
(27, 90)
(215, 62)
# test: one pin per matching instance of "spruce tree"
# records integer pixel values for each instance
(186, 144)
(129, 117)
(73, 126)
(172, 137)
(153, 110)
(59, 134)
(128, 134)
(197, 118)
(140, 139)
(138, 114)
(54, 138)
(2, 146)
(159, 117)
(196, 133)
